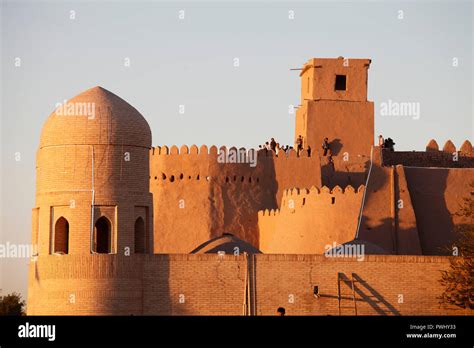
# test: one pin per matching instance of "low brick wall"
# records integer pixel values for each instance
(209, 284)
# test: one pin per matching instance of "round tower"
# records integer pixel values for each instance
(92, 178)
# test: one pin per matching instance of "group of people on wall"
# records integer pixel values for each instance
(272, 145)
(386, 143)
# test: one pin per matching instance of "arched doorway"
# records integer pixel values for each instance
(103, 236)
(61, 236)
(140, 236)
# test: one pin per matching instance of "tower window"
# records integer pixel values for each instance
(61, 236)
(140, 236)
(103, 236)
(340, 83)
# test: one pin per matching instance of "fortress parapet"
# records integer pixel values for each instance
(448, 157)
(198, 190)
(296, 198)
(214, 152)
(273, 171)
(310, 219)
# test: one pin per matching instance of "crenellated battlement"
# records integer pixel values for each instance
(232, 165)
(295, 197)
(214, 151)
(323, 190)
(184, 150)
(447, 157)
(465, 149)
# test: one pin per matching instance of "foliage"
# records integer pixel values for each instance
(12, 304)
(458, 280)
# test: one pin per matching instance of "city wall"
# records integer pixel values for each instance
(437, 196)
(447, 157)
(198, 196)
(309, 220)
(214, 285)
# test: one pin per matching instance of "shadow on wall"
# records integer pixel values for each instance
(380, 232)
(342, 178)
(161, 297)
(342, 172)
(377, 224)
(328, 173)
(369, 295)
(428, 189)
(335, 146)
(241, 203)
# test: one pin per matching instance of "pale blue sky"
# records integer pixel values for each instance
(190, 62)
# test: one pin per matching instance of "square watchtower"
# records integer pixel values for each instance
(334, 105)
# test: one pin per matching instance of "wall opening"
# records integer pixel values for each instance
(140, 236)
(61, 236)
(333, 200)
(340, 83)
(103, 236)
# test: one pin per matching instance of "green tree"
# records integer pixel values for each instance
(12, 304)
(458, 280)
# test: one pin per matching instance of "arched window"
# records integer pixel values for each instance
(61, 236)
(103, 236)
(140, 236)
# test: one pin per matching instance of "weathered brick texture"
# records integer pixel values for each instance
(209, 284)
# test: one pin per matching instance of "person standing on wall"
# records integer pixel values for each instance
(381, 141)
(299, 144)
(326, 147)
(273, 144)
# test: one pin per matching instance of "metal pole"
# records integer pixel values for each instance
(363, 196)
(92, 205)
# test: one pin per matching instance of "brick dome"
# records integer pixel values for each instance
(96, 117)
